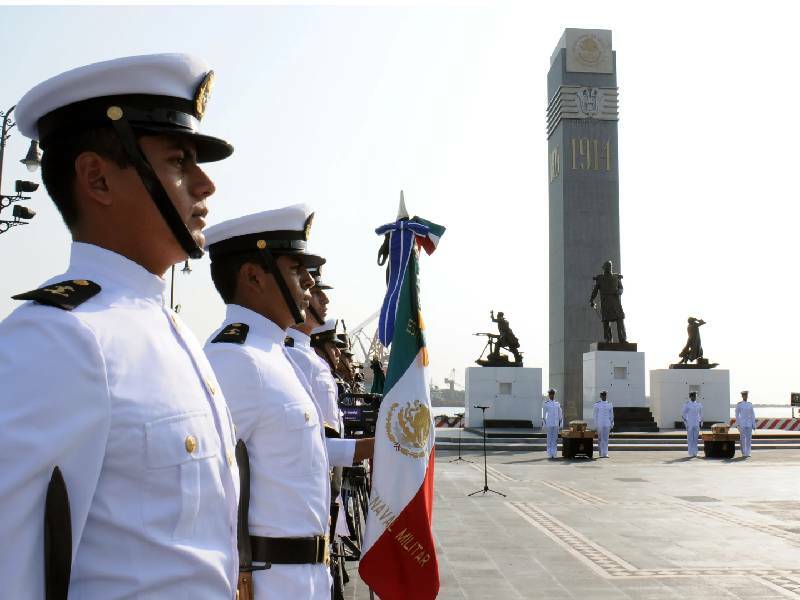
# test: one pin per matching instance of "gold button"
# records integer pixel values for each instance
(307, 417)
(114, 113)
(261, 244)
(191, 444)
(230, 457)
(80, 282)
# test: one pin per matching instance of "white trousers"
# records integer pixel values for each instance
(552, 441)
(745, 439)
(603, 432)
(691, 439)
(293, 582)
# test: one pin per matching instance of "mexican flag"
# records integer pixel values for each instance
(398, 560)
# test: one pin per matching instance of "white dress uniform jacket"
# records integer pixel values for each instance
(745, 415)
(119, 395)
(323, 389)
(281, 425)
(604, 422)
(692, 414)
(745, 422)
(552, 415)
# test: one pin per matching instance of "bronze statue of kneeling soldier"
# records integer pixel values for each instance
(504, 339)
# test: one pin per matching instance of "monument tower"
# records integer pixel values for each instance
(582, 115)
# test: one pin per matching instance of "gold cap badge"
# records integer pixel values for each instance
(307, 228)
(202, 94)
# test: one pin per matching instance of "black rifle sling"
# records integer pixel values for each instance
(243, 531)
(57, 539)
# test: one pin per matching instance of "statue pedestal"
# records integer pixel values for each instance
(620, 373)
(513, 395)
(669, 389)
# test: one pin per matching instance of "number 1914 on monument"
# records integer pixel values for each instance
(590, 155)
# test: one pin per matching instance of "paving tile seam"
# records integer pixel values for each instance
(500, 474)
(575, 493)
(780, 584)
(596, 557)
(610, 566)
(491, 474)
(760, 527)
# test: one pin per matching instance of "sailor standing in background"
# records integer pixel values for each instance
(102, 382)
(692, 415)
(745, 422)
(604, 422)
(552, 421)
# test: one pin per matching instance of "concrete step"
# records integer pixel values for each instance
(511, 447)
(636, 441)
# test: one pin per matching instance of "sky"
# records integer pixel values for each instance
(342, 107)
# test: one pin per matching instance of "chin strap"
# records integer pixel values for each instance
(152, 184)
(272, 267)
(315, 313)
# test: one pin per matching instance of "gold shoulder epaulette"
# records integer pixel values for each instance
(235, 333)
(65, 295)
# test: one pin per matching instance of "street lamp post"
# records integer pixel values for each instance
(21, 214)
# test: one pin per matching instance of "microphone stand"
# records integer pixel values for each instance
(459, 444)
(485, 469)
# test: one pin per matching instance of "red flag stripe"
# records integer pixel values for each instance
(402, 562)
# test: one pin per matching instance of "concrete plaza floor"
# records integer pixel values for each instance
(638, 525)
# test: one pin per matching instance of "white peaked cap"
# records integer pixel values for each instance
(173, 75)
(282, 231)
(289, 218)
(329, 325)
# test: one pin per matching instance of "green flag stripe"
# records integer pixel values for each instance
(408, 338)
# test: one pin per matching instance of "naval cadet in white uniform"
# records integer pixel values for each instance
(745, 422)
(258, 265)
(115, 442)
(552, 421)
(324, 389)
(316, 370)
(603, 422)
(692, 415)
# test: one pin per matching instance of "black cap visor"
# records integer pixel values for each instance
(307, 260)
(208, 148)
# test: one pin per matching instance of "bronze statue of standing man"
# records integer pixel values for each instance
(609, 285)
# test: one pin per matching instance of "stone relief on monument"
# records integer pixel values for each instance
(588, 50)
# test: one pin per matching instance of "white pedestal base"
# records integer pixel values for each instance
(511, 393)
(621, 374)
(669, 389)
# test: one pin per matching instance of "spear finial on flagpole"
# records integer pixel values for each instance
(402, 212)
